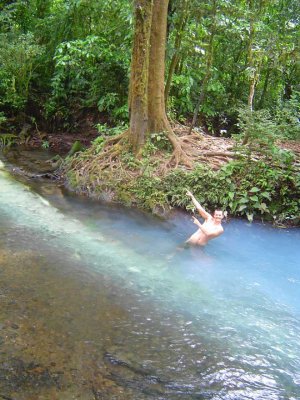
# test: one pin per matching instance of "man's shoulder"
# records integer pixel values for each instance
(220, 230)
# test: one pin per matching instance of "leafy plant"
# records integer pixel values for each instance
(7, 139)
(104, 129)
(158, 140)
(18, 55)
(287, 118)
(45, 144)
(98, 144)
(89, 72)
(3, 118)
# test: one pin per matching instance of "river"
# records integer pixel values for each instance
(104, 302)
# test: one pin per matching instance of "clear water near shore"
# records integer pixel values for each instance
(130, 312)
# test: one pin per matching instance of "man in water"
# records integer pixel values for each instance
(210, 229)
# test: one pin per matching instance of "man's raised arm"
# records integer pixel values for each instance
(204, 214)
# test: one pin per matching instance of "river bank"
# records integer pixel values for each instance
(260, 182)
(243, 187)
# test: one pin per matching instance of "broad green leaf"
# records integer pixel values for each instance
(266, 195)
(263, 207)
(250, 217)
(254, 190)
(243, 200)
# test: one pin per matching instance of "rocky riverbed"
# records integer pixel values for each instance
(46, 352)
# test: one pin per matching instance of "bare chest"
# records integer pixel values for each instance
(212, 229)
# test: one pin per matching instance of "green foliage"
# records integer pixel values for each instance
(257, 129)
(98, 144)
(7, 139)
(249, 40)
(45, 144)
(105, 130)
(287, 118)
(253, 189)
(58, 58)
(157, 141)
(182, 102)
(258, 189)
(18, 54)
(110, 103)
(147, 192)
(260, 131)
(89, 72)
(3, 118)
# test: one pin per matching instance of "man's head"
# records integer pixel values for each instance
(218, 215)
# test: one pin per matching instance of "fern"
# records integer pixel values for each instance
(7, 139)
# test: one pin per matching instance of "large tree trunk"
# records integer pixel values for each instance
(147, 100)
(158, 121)
(146, 94)
(138, 91)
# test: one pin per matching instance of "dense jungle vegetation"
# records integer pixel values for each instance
(133, 73)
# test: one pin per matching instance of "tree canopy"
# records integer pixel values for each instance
(61, 59)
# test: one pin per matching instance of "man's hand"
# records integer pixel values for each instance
(188, 193)
(196, 222)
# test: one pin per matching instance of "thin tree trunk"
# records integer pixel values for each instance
(251, 64)
(266, 84)
(251, 93)
(208, 70)
(234, 71)
(172, 66)
(199, 102)
(176, 56)
(179, 67)
(250, 57)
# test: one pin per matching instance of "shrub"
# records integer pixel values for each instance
(287, 118)
(18, 54)
(90, 72)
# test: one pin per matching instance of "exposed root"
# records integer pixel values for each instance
(187, 150)
(116, 139)
(91, 164)
(179, 155)
(218, 154)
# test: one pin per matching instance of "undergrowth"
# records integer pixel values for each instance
(254, 189)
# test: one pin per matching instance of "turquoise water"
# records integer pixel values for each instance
(221, 322)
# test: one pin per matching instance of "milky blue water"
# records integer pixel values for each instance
(221, 322)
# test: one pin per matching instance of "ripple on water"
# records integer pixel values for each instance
(115, 309)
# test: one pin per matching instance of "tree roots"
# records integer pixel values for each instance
(187, 151)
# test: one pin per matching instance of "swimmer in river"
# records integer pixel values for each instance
(211, 227)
